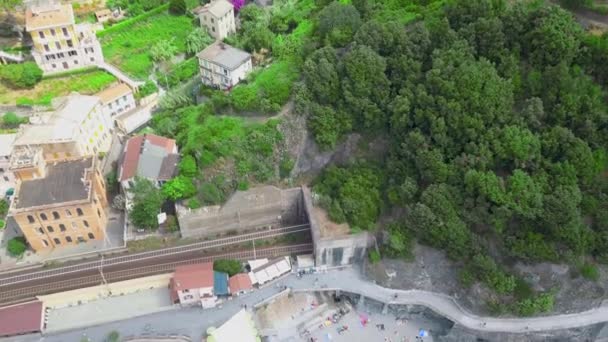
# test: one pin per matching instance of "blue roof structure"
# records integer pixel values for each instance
(220, 283)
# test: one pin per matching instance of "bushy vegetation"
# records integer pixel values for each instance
(137, 8)
(23, 75)
(146, 204)
(229, 266)
(16, 246)
(129, 47)
(11, 120)
(496, 122)
(86, 82)
(3, 207)
(146, 89)
(178, 73)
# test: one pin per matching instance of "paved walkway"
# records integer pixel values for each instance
(120, 75)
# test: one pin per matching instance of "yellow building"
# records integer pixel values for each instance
(79, 127)
(60, 44)
(60, 203)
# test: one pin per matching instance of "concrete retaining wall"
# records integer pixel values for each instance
(245, 210)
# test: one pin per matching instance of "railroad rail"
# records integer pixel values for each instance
(119, 260)
(21, 294)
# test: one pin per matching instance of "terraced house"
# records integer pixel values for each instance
(60, 44)
(223, 66)
(218, 18)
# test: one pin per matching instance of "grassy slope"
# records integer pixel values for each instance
(129, 49)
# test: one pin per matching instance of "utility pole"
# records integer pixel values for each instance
(254, 255)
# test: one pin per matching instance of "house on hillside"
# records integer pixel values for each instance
(217, 17)
(59, 43)
(193, 284)
(148, 156)
(117, 99)
(7, 179)
(223, 66)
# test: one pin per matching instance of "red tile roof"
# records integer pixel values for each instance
(128, 168)
(192, 277)
(239, 282)
(21, 318)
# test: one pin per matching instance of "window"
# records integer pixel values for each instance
(41, 34)
(60, 55)
(72, 53)
(81, 239)
(30, 218)
(46, 243)
(54, 66)
(92, 59)
(58, 46)
(53, 32)
(68, 213)
(212, 21)
(70, 44)
(55, 215)
(68, 238)
(57, 241)
(91, 236)
(75, 62)
(46, 48)
(43, 216)
(98, 213)
(5, 178)
(40, 230)
(79, 212)
(65, 31)
(213, 29)
(62, 227)
(50, 229)
(74, 225)
(86, 223)
(65, 65)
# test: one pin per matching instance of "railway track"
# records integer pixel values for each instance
(27, 293)
(101, 263)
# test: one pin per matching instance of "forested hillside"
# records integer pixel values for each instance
(497, 123)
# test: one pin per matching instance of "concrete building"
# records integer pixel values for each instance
(148, 156)
(239, 284)
(223, 66)
(270, 271)
(77, 128)
(193, 284)
(59, 203)
(256, 208)
(60, 44)
(334, 244)
(218, 18)
(7, 179)
(116, 100)
(240, 327)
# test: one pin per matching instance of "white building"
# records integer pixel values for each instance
(7, 179)
(223, 66)
(270, 270)
(218, 18)
(77, 128)
(60, 44)
(117, 99)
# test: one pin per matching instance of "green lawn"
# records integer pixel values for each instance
(86, 82)
(129, 48)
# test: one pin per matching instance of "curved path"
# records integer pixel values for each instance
(349, 280)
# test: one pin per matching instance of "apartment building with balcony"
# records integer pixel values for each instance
(60, 203)
(77, 128)
(223, 66)
(116, 100)
(218, 18)
(59, 43)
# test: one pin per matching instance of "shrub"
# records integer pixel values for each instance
(530, 306)
(374, 256)
(171, 223)
(194, 203)
(3, 207)
(113, 336)
(2, 224)
(148, 88)
(11, 120)
(177, 7)
(287, 164)
(24, 75)
(229, 266)
(17, 246)
(589, 271)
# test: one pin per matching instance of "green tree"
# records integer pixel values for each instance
(197, 40)
(3, 207)
(16, 246)
(147, 201)
(11, 120)
(163, 50)
(229, 266)
(178, 188)
(24, 75)
(338, 23)
(187, 166)
(177, 7)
